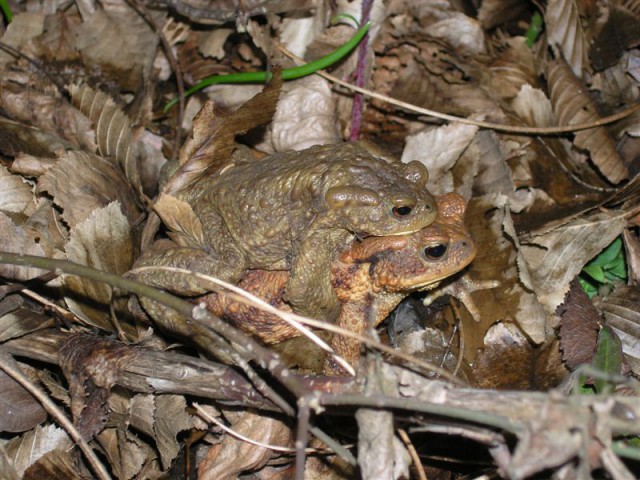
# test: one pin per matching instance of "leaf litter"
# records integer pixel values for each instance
(86, 148)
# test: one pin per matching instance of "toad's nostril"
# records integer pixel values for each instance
(435, 251)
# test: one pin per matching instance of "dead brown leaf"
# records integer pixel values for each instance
(564, 30)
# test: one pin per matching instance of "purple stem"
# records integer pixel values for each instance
(361, 70)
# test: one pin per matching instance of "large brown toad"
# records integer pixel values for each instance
(370, 278)
(294, 211)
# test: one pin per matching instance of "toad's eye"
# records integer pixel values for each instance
(434, 252)
(402, 211)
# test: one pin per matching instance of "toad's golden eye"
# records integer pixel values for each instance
(434, 252)
(402, 211)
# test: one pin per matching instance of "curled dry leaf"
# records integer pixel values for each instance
(171, 418)
(556, 257)
(564, 29)
(513, 66)
(102, 241)
(573, 105)
(83, 182)
(112, 127)
(126, 452)
(16, 195)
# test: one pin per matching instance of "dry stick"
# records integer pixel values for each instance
(264, 357)
(478, 123)
(412, 453)
(55, 412)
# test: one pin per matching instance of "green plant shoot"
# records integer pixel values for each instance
(535, 27)
(287, 74)
(606, 269)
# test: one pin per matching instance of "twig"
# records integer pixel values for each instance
(413, 453)
(55, 412)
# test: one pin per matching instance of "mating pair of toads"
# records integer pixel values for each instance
(336, 232)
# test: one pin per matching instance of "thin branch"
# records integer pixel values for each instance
(55, 412)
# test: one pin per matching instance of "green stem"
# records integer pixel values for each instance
(287, 74)
(6, 10)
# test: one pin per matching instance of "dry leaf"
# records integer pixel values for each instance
(21, 321)
(82, 182)
(564, 28)
(55, 464)
(24, 451)
(112, 127)
(16, 195)
(556, 257)
(438, 149)
(126, 452)
(179, 217)
(619, 33)
(24, 27)
(622, 313)
(171, 418)
(19, 411)
(572, 105)
(227, 460)
(18, 239)
(102, 241)
(58, 40)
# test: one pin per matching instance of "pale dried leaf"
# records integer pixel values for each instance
(58, 41)
(18, 239)
(19, 411)
(534, 107)
(180, 218)
(24, 27)
(142, 413)
(21, 138)
(438, 149)
(82, 182)
(305, 116)
(52, 234)
(16, 195)
(572, 105)
(31, 166)
(171, 419)
(556, 257)
(6, 466)
(102, 241)
(513, 67)
(622, 313)
(562, 20)
(50, 114)
(495, 12)
(27, 449)
(113, 128)
(211, 43)
(234, 456)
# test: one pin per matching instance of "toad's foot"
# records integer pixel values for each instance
(462, 289)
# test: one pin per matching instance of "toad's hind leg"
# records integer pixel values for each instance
(309, 290)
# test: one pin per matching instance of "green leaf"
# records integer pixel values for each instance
(608, 358)
(6, 10)
(588, 287)
(595, 272)
(619, 270)
(609, 254)
(535, 27)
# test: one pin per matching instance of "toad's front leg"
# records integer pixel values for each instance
(309, 290)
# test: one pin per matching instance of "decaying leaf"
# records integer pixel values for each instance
(102, 241)
(556, 257)
(572, 105)
(21, 321)
(18, 239)
(24, 27)
(171, 418)
(126, 452)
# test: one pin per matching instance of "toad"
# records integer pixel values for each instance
(293, 211)
(370, 278)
